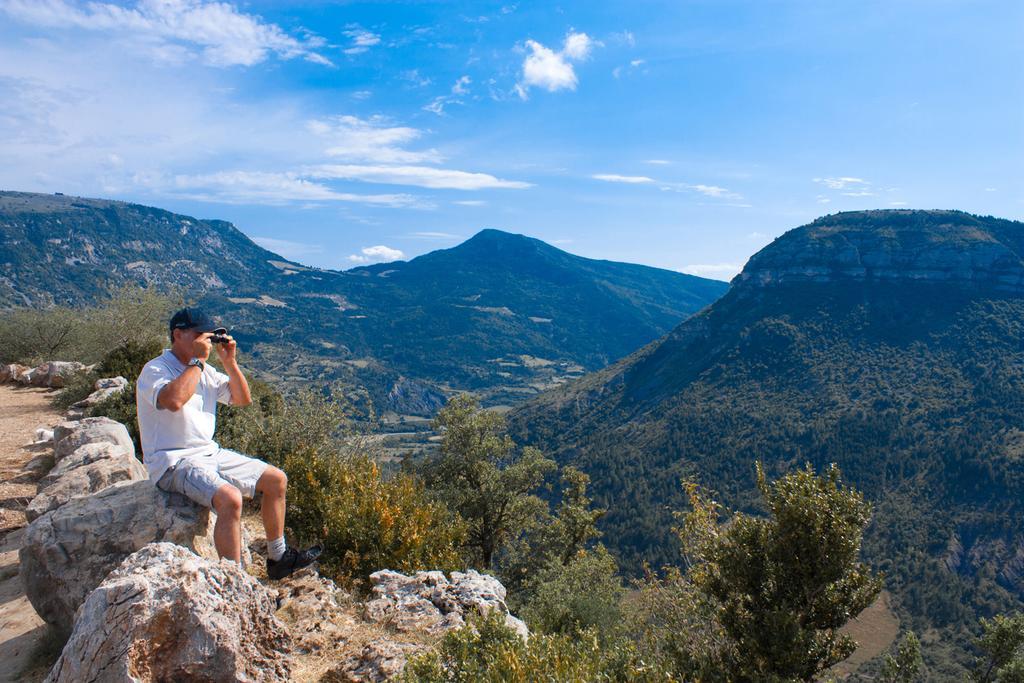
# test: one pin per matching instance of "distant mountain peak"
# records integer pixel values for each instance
(899, 245)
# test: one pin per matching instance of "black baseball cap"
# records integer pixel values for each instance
(189, 318)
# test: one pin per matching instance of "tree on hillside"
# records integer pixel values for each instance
(480, 474)
(905, 666)
(1002, 642)
(769, 594)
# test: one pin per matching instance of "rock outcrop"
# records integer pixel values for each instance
(167, 615)
(67, 552)
(53, 374)
(428, 601)
(90, 468)
(68, 436)
(950, 247)
(104, 388)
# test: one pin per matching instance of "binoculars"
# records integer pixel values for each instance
(219, 336)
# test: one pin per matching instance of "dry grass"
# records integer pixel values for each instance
(875, 630)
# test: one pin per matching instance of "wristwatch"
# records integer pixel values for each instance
(195, 362)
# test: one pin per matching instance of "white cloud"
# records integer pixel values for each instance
(428, 235)
(187, 134)
(991, 189)
(637, 62)
(577, 46)
(551, 70)
(378, 254)
(362, 40)
(373, 139)
(293, 251)
(471, 202)
(658, 162)
(172, 30)
(718, 271)
(841, 183)
(437, 105)
(714, 191)
(414, 77)
(897, 203)
(859, 193)
(419, 176)
(707, 190)
(362, 94)
(255, 187)
(460, 87)
(616, 178)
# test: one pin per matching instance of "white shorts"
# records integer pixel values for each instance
(199, 476)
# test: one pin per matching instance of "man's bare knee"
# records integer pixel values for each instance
(273, 483)
(228, 501)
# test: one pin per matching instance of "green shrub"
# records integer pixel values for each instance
(76, 387)
(274, 426)
(579, 596)
(128, 358)
(130, 315)
(488, 651)
(367, 522)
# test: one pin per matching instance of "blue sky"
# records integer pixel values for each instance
(682, 134)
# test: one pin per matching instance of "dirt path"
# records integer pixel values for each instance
(22, 410)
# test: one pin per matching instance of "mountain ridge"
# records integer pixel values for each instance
(412, 331)
(915, 388)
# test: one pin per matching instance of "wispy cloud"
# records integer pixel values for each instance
(553, 70)
(362, 40)
(373, 139)
(256, 187)
(713, 191)
(428, 235)
(419, 176)
(718, 271)
(850, 186)
(471, 202)
(633, 65)
(841, 183)
(616, 178)
(377, 254)
(170, 30)
(293, 251)
(658, 162)
(459, 89)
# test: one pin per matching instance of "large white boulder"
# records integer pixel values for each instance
(68, 436)
(67, 552)
(90, 468)
(56, 373)
(168, 615)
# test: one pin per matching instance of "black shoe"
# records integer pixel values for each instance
(292, 561)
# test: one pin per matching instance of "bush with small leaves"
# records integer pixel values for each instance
(487, 651)
(367, 521)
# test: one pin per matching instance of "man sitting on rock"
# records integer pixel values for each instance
(176, 396)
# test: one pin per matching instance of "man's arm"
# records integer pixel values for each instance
(177, 393)
(237, 383)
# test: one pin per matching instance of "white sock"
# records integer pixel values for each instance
(276, 548)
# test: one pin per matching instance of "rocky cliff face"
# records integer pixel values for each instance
(950, 247)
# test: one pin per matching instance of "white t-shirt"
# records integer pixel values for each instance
(168, 435)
